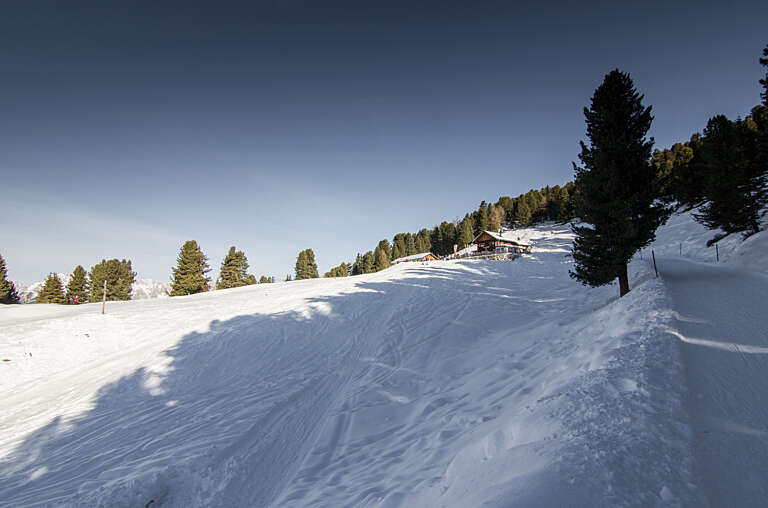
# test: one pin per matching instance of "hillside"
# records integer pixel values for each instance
(458, 383)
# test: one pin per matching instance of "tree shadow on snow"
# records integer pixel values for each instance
(230, 418)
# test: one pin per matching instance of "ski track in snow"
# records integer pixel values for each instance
(722, 326)
(451, 384)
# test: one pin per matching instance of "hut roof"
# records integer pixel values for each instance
(499, 237)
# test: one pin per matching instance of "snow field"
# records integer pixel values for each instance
(455, 384)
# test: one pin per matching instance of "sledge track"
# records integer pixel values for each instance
(722, 324)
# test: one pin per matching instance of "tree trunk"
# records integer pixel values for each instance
(623, 281)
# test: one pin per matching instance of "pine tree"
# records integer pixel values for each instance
(52, 291)
(410, 245)
(422, 241)
(343, 270)
(266, 280)
(617, 186)
(8, 293)
(522, 213)
(495, 218)
(77, 288)
(734, 183)
(466, 232)
(189, 275)
(119, 276)
(368, 263)
(764, 81)
(381, 257)
(305, 265)
(234, 271)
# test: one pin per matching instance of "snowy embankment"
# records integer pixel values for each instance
(461, 383)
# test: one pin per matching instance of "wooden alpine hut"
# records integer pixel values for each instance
(489, 242)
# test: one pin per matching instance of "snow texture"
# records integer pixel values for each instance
(452, 384)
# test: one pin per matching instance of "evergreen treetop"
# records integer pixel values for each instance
(77, 287)
(119, 276)
(189, 276)
(306, 268)
(8, 293)
(234, 271)
(52, 291)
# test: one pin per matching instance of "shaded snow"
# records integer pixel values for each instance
(458, 383)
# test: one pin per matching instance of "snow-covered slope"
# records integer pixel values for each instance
(456, 384)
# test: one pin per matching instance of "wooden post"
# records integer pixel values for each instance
(717, 254)
(104, 298)
(653, 254)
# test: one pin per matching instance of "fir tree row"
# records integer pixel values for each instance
(190, 274)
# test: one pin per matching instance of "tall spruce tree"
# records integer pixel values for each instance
(52, 291)
(234, 271)
(189, 276)
(306, 268)
(8, 293)
(617, 187)
(119, 276)
(77, 287)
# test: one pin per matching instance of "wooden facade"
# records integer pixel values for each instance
(493, 243)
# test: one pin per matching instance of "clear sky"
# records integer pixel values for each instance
(127, 128)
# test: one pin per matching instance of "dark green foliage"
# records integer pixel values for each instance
(119, 276)
(343, 270)
(678, 175)
(466, 232)
(734, 181)
(522, 213)
(189, 276)
(480, 219)
(617, 187)
(381, 258)
(8, 293)
(368, 263)
(305, 265)
(52, 291)
(764, 81)
(77, 288)
(234, 271)
(266, 280)
(288, 278)
(423, 243)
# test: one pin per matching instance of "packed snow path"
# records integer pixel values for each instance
(722, 321)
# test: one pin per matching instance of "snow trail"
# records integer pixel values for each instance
(721, 323)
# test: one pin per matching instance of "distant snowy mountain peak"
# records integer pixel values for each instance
(142, 289)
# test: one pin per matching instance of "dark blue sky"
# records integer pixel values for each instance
(126, 129)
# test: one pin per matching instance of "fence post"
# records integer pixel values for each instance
(717, 254)
(104, 297)
(681, 249)
(653, 255)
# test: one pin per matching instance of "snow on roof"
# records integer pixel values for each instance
(505, 237)
(411, 257)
